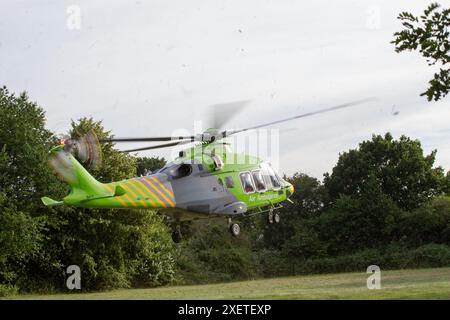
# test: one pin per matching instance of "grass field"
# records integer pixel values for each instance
(399, 284)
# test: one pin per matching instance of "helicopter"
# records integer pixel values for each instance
(206, 180)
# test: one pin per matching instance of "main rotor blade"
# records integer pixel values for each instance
(222, 113)
(158, 146)
(304, 115)
(148, 139)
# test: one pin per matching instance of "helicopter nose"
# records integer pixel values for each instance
(290, 190)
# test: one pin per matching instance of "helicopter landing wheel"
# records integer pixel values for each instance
(276, 218)
(270, 216)
(176, 235)
(235, 229)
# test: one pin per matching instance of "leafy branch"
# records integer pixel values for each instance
(429, 35)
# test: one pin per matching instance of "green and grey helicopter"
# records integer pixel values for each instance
(206, 180)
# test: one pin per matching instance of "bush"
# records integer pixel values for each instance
(427, 224)
(8, 290)
(431, 255)
(395, 256)
(212, 255)
(118, 248)
(272, 263)
(346, 263)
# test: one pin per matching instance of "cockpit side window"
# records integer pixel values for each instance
(247, 183)
(282, 182)
(270, 177)
(274, 179)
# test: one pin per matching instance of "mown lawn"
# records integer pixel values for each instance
(398, 284)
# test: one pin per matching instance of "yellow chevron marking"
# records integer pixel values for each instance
(164, 188)
(154, 196)
(160, 193)
(130, 200)
(133, 193)
(138, 188)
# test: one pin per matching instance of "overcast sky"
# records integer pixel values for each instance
(147, 68)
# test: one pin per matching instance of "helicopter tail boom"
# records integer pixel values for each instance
(85, 191)
(84, 187)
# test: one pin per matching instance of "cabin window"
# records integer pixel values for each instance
(259, 181)
(267, 180)
(247, 183)
(229, 182)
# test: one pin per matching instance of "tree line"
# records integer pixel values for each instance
(383, 203)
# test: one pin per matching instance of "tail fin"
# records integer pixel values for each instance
(84, 187)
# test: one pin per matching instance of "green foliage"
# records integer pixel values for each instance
(343, 263)
(24, 178)
(393, 256)
(146, 165)
(430, 35)
(8, 290)
(365, 220)
(447, 184)
(399, 167)
(427, 224)
(20, 239)
(24, 142)
(212, 255)
(304, 244)
(431, 255)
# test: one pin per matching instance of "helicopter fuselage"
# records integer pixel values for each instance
(205, 181)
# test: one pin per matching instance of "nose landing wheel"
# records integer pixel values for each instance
(234, 228)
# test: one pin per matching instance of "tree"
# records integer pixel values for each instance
(146, 165)
(447, 183)
(359, 221)
(24, 142)
(24, 178)
(430, 35)
(401, 169)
